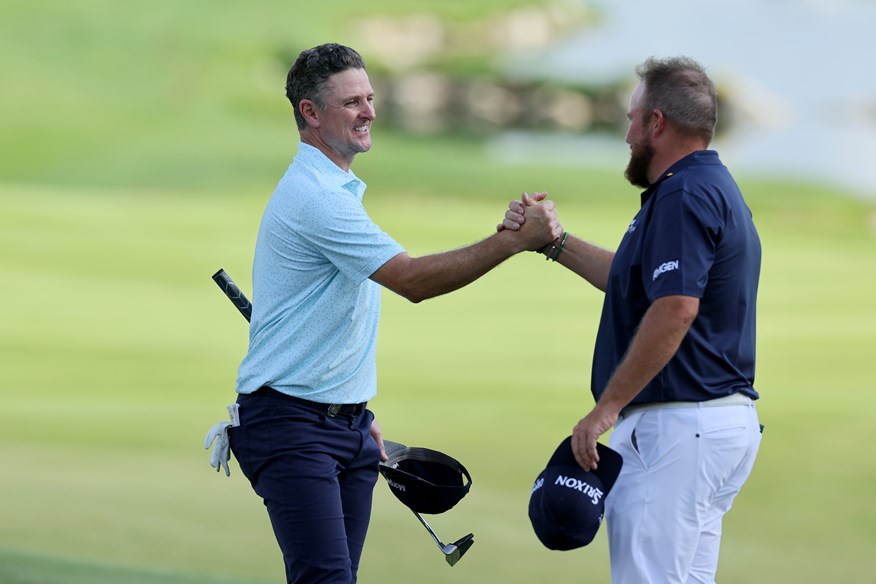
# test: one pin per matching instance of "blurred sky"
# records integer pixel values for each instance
(799, 73)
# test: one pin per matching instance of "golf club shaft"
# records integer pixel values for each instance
(429, 529)
(227, 285)
(452, 553)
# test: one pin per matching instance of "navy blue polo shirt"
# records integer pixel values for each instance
(693, 236)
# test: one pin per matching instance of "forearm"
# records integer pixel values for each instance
(656, 341)
(425, 277)
(589, 261)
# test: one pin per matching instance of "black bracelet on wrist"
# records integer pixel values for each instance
(559, 248)
(548, 249)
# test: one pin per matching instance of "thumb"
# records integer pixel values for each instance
(527, 200)
(539, 196)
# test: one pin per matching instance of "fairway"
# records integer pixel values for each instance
(120, 353)
(141, 145)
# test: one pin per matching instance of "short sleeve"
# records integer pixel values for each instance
(338, 226)
(680, 246)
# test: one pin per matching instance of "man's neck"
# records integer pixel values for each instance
(320, 145)
(664, 159)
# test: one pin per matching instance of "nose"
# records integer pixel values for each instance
(369, 112)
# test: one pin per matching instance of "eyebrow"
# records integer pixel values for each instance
(355, 96)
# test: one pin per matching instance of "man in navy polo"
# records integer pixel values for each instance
(673, 366)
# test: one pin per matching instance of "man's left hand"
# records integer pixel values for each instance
(587, 432)
(378, 437)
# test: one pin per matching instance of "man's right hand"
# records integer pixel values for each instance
(514, 216)
(536, 223)
(540, 225)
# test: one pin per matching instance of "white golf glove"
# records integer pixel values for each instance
(221, 453)
(219, 434)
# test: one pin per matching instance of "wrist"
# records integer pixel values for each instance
(609, 407)
(552, 250)
(509, 242)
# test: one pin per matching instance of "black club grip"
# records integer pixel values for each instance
(227, 285)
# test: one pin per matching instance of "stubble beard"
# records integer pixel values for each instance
(348, 148)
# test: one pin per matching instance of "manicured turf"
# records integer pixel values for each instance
(120, 352)
(144, 143)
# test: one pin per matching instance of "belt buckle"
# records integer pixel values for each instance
(333, 410)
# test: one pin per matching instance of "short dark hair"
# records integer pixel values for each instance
(680, 88)
(310, 71)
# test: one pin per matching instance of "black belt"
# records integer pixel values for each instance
(330, 410)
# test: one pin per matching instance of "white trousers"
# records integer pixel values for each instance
(682, 468)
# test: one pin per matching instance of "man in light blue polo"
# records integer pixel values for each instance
(306, 441)
(314, 306)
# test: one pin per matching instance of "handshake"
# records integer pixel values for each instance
(535, 217)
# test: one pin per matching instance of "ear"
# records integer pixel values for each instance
(657, 123)
(310, 112)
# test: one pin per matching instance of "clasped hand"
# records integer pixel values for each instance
(535, 210)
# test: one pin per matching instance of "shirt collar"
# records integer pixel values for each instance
(692, 159)
(313, 156)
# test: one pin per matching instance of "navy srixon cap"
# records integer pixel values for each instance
(426, 481)
(567, 503)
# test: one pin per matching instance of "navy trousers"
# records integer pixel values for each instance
(316, 475)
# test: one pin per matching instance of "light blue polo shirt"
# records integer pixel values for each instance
(313, 332)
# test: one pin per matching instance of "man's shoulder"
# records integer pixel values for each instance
(306, 177)
(700, 175)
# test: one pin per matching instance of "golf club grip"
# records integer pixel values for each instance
(227, 285)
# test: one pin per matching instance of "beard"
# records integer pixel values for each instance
(640, 159)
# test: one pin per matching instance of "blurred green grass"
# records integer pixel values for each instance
(120, 353)
(164, 93)
(142, 144)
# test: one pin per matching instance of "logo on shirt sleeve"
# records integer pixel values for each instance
(665, 267)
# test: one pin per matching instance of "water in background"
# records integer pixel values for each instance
(798, 73)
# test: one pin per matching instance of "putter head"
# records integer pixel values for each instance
(453, 552)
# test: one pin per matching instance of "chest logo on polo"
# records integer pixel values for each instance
(665, 267)
(632, 226)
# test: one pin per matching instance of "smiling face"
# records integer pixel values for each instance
(343, 128)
